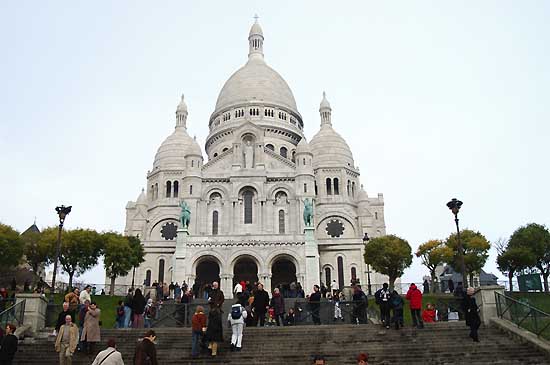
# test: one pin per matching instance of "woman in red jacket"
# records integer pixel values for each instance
(414, 296)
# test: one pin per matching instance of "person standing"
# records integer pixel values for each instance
(314, 301)
(85, 295)
(61, 317)
(146, 352)
(236, 318)
(8, 346)
(91, 333)
(382, 297)
(119, 322)
(109, 356)
(278, 305)
(149, 313)
(396, 303)
(472, 314)
(414, 296)
(261, 304)
(360, 305)
(66, 341)
(426, 286)
(214, 330)
(138, 308)
(198, 328)
(216, 297)
(73, 298)
(128, 308)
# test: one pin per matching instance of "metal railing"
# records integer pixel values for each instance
(523, 315)
(14, 314)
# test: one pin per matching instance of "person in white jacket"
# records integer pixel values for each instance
(236, 318)
(109, 356)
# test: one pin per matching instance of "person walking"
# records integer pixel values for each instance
(198, 328)
(109, 356)
(146, 352)
(314, 301)
(414, 296)
(66, 341)
(61, 317)
(382, 297)
(138, 308)
(278, 305)
(261, 304)
(397, 303)
(128, 308)
(214, 330)
(73, 298)
(8, 345)
(91, 333)
(472, 314)
(360, 305)
(236, 318)
(149, 313)
(337, 298)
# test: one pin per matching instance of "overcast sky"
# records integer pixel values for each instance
(436, 100)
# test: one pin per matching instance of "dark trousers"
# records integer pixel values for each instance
(280, 319)
(260, 318)
(417, 318)
(397, 318)
(315, 314)
(385, 314)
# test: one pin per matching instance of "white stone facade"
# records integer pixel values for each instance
(247, 200)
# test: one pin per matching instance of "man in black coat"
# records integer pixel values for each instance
(61, 318)
(8, 347)
(315, 304)
(261, 304)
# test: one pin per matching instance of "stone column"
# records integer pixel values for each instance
(226, 285)
(312, 260)
(179, 261)
(485, 299)
(35, 310)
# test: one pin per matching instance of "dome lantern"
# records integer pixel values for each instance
(325, 110)
(181, 114)
(256, 40)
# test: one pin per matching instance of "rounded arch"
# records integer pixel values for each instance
(239, 188)
(280, 187)
(206, 255)
(207, 270)
(246, 268)
(283, 273)
(340, 215)
(245, 254)
(158, 224)
(283, 254)
(215, 188)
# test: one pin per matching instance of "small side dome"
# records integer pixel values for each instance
(330, 149)
(362, 195)
(142, 199)
(303, 147)
(194, 149)
(171, 153)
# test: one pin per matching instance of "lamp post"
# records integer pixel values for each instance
(454, 205)
(366, 238)
(62, 212)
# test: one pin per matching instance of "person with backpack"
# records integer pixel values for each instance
(236, 319)
(382, 297)
(396, 303)
(414, 296)
(149, 313)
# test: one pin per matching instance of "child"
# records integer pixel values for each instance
(198, 328)
(429, 314)
(290, 319)
(120, 315)
(271, 316)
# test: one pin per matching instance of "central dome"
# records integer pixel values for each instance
(256, 81)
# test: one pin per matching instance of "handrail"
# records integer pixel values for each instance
(531, 312)
(14, 313)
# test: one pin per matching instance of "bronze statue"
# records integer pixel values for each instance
(185, 215)
(308, 212)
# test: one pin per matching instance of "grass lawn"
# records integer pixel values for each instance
(106, 303)
(538, 300)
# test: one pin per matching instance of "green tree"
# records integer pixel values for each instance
(536, 238)
(476, 251)
(37, 251)
(80, 249)
(432, 253)
(118, 259)
(11, 247)
(138, 254)
(514, 259)
(389, 255)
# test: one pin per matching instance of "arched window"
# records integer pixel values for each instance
(161, 271)
(269, 146)
(305, 188)
(147, 278)
(247, 197)
(152, 192)
(353, 188)
(349, 185)
(315, 186)
(336, 187)
(340, 272)
(281, 221)
(329, 186)
(375, 215)
(176, 189)
(304, 162)
(283, 152)
(190, 189)
(215, 222)
(168, 188)
(225, 149)
(328, 277)
(215, 196)
(215, 155)
(293, 156)
(353, 274)
(156, 190)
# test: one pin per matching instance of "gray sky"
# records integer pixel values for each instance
(436, 100)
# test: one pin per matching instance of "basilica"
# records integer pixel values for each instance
(247, 193)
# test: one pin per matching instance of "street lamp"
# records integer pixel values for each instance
(454, 205)
(366, 238)
(62, 212)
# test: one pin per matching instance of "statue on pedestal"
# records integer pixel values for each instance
(308, 212)
(185, 214)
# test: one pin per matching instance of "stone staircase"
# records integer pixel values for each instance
(440, 343)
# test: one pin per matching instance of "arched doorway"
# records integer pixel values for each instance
(245, 269)
(207, 271)
(283, 272)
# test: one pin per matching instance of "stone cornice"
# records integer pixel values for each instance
(249, 243)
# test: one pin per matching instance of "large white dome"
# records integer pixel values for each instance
(256, 81)
(330, 149)
(172, 152)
